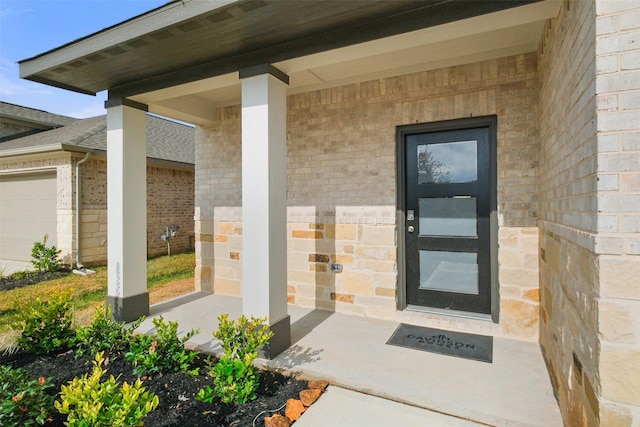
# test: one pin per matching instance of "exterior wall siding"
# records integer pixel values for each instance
(169, 196)
(342, 189)
(589, 175)
(218, 197)
(169, 201)
(617, 85)
(568, 213)
(62, 164)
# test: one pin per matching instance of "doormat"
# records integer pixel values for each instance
(458, 344)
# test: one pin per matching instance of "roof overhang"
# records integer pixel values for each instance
(69, 148)
(182, 59)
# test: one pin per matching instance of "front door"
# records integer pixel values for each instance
(448, 187)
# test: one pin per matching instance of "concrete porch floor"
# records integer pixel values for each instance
(351, 353)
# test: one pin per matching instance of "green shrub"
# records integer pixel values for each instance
(20, 275)
(163, 352)
(23, 401)
(46, 325)
(104, 334)
(242, 337)
(88, 402)
(45, 258)
(235, 379)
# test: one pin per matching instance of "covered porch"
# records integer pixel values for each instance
(351, 352)
(300, 186)
(268, 99)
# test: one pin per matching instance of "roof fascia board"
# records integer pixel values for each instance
(31, 150)
(100, 153)
(170, 164)
(156, 19)
(46, 149)
(18, 120)
(54, 83)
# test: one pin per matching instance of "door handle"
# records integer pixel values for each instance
(411, 229)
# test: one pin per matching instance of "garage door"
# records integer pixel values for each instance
(27, 213)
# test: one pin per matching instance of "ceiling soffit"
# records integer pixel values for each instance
(236, 35)
(504, 33)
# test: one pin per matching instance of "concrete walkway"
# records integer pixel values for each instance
(342, 407)
(351, 353)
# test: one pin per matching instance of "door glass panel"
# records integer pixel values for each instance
(449, 271)
(448, 216)
(448, 163)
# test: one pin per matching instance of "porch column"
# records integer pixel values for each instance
(127, 209)
(264, 201)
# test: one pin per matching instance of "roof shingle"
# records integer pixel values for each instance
(166, 139)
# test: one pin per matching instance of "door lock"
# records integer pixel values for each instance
(410, 229)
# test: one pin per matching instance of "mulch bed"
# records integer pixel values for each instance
(176, 392)
(30, 278)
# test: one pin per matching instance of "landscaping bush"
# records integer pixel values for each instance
(104, 334)
(45, 325)
(163, 352)
(235, 379)
(23, 401)
(45, 258)
(88, 402)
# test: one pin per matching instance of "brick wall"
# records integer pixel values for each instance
(589, 175)
(342, 188)
(169, 196)
(93, 227)
(218, 197)
(617, 244)
(169, 201)
(568, 210)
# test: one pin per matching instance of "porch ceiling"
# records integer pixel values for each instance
(182, 58)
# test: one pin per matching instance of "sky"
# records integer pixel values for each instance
(31, 27)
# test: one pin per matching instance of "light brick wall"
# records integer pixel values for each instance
(589, 175)
(169, 195)
(93, 227)
(218, 197)
(568, 210)
(342, 187)
(170, 200)
(617, 48)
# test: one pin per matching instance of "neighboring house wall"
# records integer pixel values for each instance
(169, 201)
(589, 185)
(93, 225)
(62, 165)
(342, 189)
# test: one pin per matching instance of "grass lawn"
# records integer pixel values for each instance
(167, 277)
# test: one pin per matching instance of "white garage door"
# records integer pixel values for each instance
(27, 213)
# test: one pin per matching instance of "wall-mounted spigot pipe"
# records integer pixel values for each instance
(79, 206)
